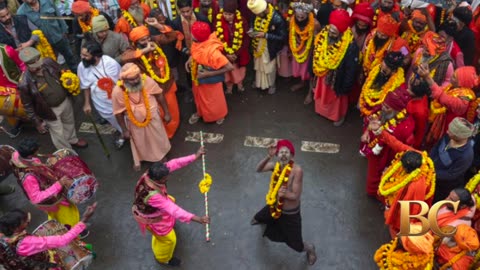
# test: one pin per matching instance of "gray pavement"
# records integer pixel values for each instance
(343, 223)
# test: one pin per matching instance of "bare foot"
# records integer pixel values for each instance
(136, 168)
(297, 87)
(308, 99)
(311, 255)
(229, 91)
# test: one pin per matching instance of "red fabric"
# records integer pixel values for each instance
(13, 54)
(419, 110)
(341, 19)
(377, 163)
(243, 56)
(397, 99)
(455, 50)
(285, 143)
(363, 12)
(388, 25)
(124, 4)
(200, 31)
(80, 7)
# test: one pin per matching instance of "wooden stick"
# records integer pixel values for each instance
(207, 226)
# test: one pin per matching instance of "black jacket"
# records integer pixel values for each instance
(465, 39)
(35, 106)
(24, 34)
(277, 34)
(345, 73)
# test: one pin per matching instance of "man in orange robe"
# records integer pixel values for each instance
(137, 97)
(208, 64)
(152, 61)
(464, 241)
(134, 14)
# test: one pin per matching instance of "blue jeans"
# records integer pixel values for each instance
(63, 47)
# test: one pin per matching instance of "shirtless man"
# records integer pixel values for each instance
(282, 212)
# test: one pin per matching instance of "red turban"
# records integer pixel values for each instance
(417, 14)
(80, 7)
(124, 4)
(398, 99)
(466, 77)
(200, 31)
(285, 143)
(340, 19)
(363, 12)
(138, 33)
(434, 43)
(388, 25)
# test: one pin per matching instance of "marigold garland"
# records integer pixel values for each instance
(194, 72)
(128, 106)
(436, 108)
(158, 55)
(70, 82)
(387, 258)
(453, 260)
(261, 25)
(370, 98)
(301, 48)
(395, 177)
(173, 5)
(413, 37)
(87, 27)
(326, 56)
(471, 186)
(279, 178)
(209, 13)
(133, 23)
(377, 56)
(472, 110)
(43, 46)
(237, 33)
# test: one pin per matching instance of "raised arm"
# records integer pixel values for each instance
(32, 188)
(181, 162)
(265, 164)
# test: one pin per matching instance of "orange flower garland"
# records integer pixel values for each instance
(301, 48)
(87, 27)
(106, 84)
(146, 101)
(372, 57)
(237, 34)
(194, 71)
(389, 126)
(388, 258)
(370, 98)
(326, 56)
(413, 37)
(279, 178)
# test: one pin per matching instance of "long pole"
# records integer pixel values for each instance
(207, 226)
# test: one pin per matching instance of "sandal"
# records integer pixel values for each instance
(219, 122)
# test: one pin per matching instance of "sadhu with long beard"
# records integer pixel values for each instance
(335, 60)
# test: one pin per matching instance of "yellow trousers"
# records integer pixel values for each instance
(66, 215)
(163, 246)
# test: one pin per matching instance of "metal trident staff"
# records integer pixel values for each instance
(207, 226)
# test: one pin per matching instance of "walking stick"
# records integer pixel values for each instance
(206, 182)
(105, 149)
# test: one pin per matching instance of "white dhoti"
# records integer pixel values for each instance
(266, 68)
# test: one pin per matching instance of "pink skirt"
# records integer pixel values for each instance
(327, 103)
(283, 63)
(300, 70)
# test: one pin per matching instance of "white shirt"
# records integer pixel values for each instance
(107, 67)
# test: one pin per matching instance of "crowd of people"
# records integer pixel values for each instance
(410, 69)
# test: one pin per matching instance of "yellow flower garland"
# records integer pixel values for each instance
(237, 34)
(70, 82)
(173, 5)
(157, 54)
(387, 258)
(194, 72)
(301, 49)
(129, 18)
(128, 107)
(374, 97)
(377, 55)
(453, 260)
(209, 14)
(276, 181)
(261, 25)
(471, 186)
(413, 37)
(326, 56)
(43, 46)
(437, 108)
(88, 27)
(205, 183)
(395, 177)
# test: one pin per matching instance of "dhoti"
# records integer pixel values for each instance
(266, 69)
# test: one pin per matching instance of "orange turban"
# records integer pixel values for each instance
(466, 238)
(80, 7)
(422, 244)
(138, 32)
(417, 14)
(434, 43)
(467, 76)
(129, 71)
(388, 25)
